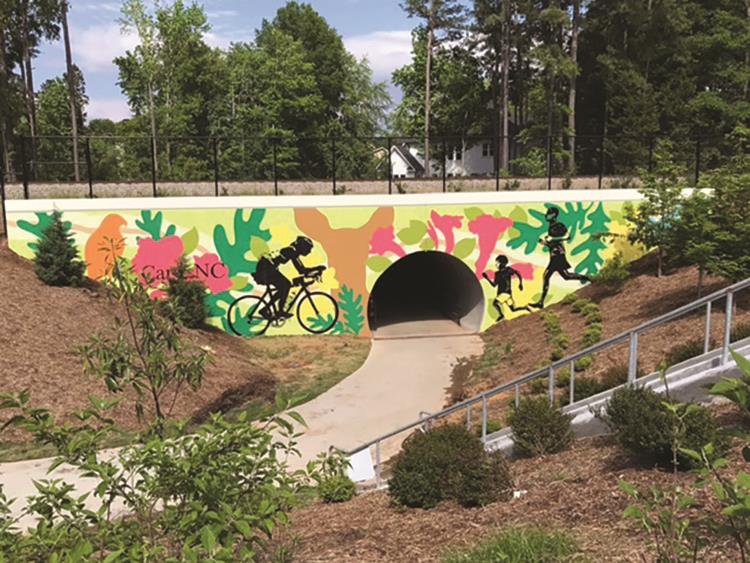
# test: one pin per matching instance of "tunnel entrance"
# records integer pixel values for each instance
(427, 285)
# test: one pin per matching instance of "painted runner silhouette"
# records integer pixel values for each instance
(557, 234)
(503, 282)
(267, 272)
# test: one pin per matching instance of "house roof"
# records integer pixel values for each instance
(409, 158)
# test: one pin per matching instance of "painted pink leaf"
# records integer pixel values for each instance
(488, 230)
(155, 259)
(212, 272)
(433, 235)
(383, 242)
(525, 269)
(446, 224)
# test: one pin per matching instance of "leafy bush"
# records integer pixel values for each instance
(592, 313)
(447, 462)
(617, 375)
(614, 273)
(585, 387)
(56, 260)
(592, 334)
(578, 304)
(539, 385)
(539, 428)
(643, 424)
(685, 351)
(740, 332)
(187, 297)
(517, 545)
(337, 488)
(584, 363)
(736, 389)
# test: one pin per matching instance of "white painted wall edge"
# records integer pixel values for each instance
(322, 201)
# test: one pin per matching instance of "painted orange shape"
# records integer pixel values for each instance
(104, 246)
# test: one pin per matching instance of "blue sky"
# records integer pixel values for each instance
(378, 29)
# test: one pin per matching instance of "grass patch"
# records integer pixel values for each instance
(517, 545)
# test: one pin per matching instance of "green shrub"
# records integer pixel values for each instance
(557, 353)
(539, 385)
(617, 375)
(592, 313)
(551, 323)
(736, 389)
(336, 488)
(493, 425)
(740, 332)
(643, 425)
(592, 334)
(447, 462)
(685, 351)
(517, 545)
(539, 428)
(562, 377)
(614, 273)
(578, 305)
(187, 296)
(584, 363)
(569, 299)
(585, 387)
(56, 260)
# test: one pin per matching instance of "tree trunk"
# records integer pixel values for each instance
(4, 136)
(746, 86)
(572, 89)
(505, 84)
(27, 71)
(152, 111)
(701, 277)
(659, 261)
(427, 81)
(71, 90)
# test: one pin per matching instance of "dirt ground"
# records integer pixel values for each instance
(575, 491)
(520, 346)
(41, 327)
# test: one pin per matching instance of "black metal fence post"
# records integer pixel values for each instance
(697, 160)
(153, 165)
(24, 169)
(601, 161)
(550, 162)
(89, 176)
(445, 159)
(2, 197)
(216, 165)
(333, 162)
(390, 167)
(275, 173)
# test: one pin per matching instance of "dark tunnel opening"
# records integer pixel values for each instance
(426, 286)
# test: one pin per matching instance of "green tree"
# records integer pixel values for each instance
(440, 20)
(56, 260)
(654, 219)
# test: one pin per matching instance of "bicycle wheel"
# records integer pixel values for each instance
(244, 316)
(317, 312)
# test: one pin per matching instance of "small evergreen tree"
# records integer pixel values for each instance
(187, 295)
(56, 261)
(654, 218)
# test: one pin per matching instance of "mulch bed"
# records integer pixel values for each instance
(41, 327)
(574, 491)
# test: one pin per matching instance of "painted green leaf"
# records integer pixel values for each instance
(351, 306)
(239, 283)
(378, 263)
(44, 220)
(152, 224)
(518, 215)
(597, 224)
(190, 241)
(464, 248)
(427, 244)
(233, 254)
(473, 212)
(258, 247)
(414, 233)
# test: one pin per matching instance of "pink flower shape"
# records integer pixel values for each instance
(488, 230)
(383, 242)
(433, 235)
(525, 269)
(212, 273)
(446, 224)
(156, 259)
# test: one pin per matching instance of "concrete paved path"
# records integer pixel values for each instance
(407, 371)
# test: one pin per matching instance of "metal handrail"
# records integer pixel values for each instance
(630, 336)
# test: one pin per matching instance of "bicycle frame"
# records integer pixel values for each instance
(270, 294)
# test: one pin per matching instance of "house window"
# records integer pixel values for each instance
(487, 149)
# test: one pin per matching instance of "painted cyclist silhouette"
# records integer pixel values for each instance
(503, 282)
(557, 234)
(317, 312)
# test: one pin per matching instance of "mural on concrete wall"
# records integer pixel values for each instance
(293, 271)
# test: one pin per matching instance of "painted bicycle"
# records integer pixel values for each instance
(316, 311)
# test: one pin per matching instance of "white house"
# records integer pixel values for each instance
(477, 159)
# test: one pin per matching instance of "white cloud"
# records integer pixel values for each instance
(95, 47)
(115, 109)
(385, 50)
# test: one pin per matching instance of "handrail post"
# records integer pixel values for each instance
(468, 416)
(551, 385)
(727, 329)
(87, 148)
(484, 417)
(572, 382)
(633, 357)
(518, 395)
(378, 476)
(707, 340)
